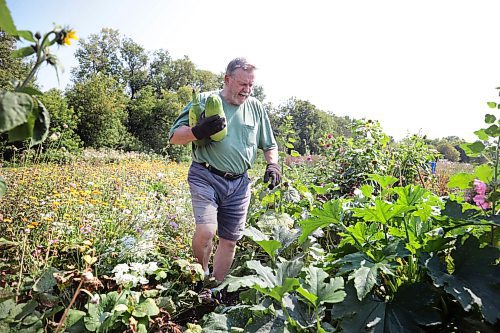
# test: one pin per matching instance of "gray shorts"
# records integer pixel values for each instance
(219, 200)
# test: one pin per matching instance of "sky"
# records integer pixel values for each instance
(418, 67)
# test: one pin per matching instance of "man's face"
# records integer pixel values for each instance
(238, 86)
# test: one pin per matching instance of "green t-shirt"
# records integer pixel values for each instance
(248, 128)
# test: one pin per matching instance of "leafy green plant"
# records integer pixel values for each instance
(22, 114)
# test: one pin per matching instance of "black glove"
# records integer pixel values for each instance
(273, 174)
(208, 126)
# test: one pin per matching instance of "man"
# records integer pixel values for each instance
(217, 178)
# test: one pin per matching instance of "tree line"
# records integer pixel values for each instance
(123, 96)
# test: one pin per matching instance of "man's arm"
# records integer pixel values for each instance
(182, 135)
(271, 156)
(205, 127)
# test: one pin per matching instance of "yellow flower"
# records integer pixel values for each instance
(71, 34)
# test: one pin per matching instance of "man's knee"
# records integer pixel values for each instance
(229, 244)
(204, 233)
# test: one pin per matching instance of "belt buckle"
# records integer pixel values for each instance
(228, 175)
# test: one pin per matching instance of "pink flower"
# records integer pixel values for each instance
(480, 187)
(480, 197)
(330, 136)
(480, 201)
(309, 158)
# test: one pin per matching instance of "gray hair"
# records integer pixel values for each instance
(239, 63)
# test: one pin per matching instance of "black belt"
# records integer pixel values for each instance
(226, 175)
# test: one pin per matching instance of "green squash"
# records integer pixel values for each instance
(213, 106)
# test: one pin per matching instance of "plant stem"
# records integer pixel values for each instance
(466, 224)
(406, 228)
(40, 58)
(63, 318)
(21, 266)
(495, 189)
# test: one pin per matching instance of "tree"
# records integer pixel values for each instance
(309, 123)
(207, 81)
(100, 53)
(10, 67)
(99, 103)
(182, 73)
(135, 62)
(258, 92)
(63, 120)
(159, 69)
(449, 152)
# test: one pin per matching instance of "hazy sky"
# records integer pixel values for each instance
(425, 66)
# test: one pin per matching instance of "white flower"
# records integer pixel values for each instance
(143, 280)
(151, 267)
(55, 136)
(357, 192)
(120, 269)
(137, 267)
(126, 279)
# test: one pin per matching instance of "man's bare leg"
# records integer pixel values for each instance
(202, 243)
(223, 259)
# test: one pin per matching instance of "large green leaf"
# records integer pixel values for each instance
(365, 278)
(461, 180)
(455, 211)
(493, 131)
(41, 125)
(484, 172)
(489, 118)
(317, 291)
(234, 283)
(267, 324)
(145, 308)
(363, 270)
(406, 313)
(410, 195)
(26, 309)
(481, 134)
(15, 107)
(26, 34)
(362, 233)
(277, 292)
(266, 274)
(6, 22)
(301, 313)
(234, 319)
(215, 322)
(475, 281)
(331, 212)
(383, 181)
(6, 307)
(46, 281)
(382, 212)
(473, 149)
(74, 321)
(270, 246)
(23, 52)
(285, 236)
(288, 269)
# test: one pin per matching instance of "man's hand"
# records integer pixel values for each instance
(273, 174)
(208, 126)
